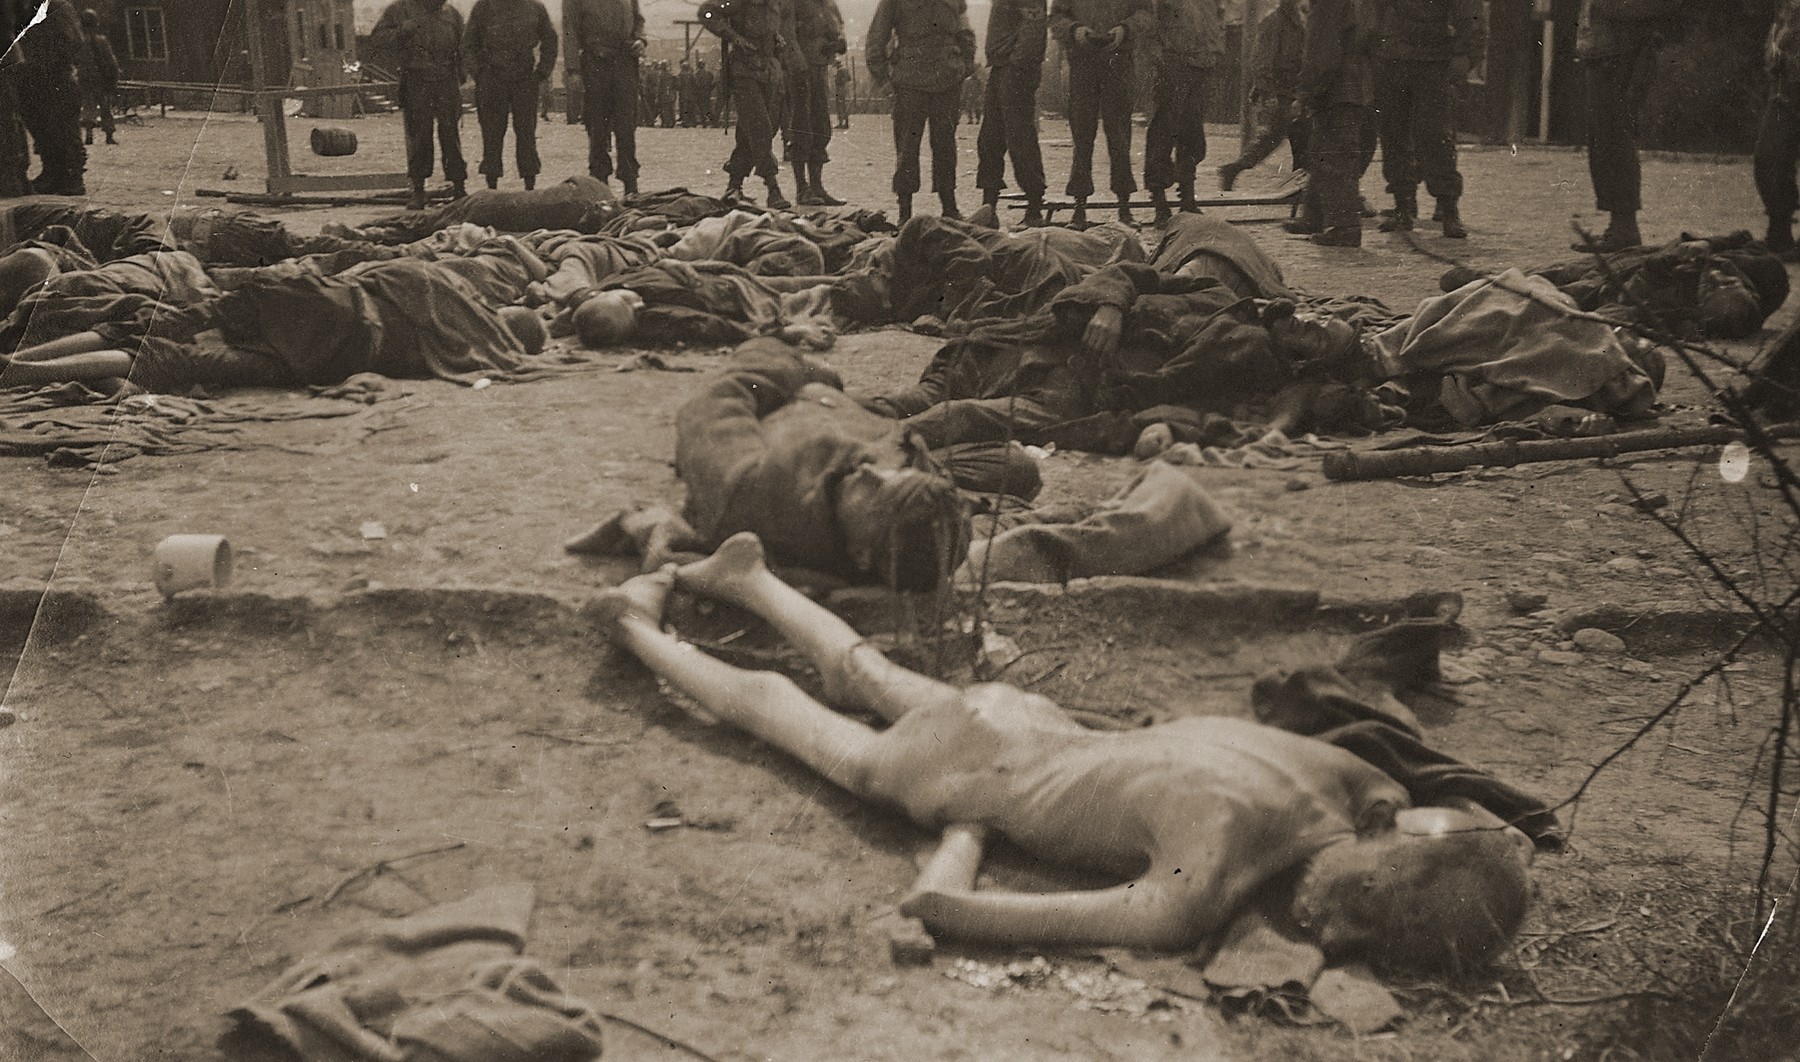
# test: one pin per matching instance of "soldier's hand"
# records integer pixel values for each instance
(1116, 38)
(638, 46)
(1086, 35)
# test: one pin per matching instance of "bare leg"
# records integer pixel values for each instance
(70, 368)
(855, 674)
(1147, 913)
(79, 343)
(766, 704)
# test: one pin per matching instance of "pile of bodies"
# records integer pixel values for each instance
(1074, 337)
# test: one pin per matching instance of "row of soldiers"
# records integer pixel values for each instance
(56, 84)
(690, 95)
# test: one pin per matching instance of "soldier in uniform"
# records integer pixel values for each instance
(820, 31)
(751, 32)
(1017, 34)
(704, 85)
(500, 43)
(1778, 136)
(1190, 39)
(608, 38)
(684, 94)
(426, 37)
(1617, 40)
(926, 49)
(97, 69)
(1099, 37)
(1280, 38)
(15, 152)
(50, 99)
(1427, 48)
(1337, 82)
(840, 81)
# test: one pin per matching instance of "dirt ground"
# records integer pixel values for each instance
(187, 785)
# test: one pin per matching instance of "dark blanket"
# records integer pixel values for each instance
(1352, 706)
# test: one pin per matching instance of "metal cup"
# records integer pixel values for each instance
(192, 562)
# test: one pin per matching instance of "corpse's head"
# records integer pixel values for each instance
(907, 527)
(1435, 891)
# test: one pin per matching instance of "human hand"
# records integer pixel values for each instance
(1086, 35)
(638, 46)
(1101, 338)
(1116, 38)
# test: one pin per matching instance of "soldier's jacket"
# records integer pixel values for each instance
(792, 61)
(1621, 27)
(752, 30)
(52, 47)
(819, 31)
(511, 39)
(1781, 52)
(1137, 16)
(1432, 30)
(1017, 35)
(923, 45)
(1189, 32)
(422, 41)
(1280, 45)
(603, 29)
(1338, 64)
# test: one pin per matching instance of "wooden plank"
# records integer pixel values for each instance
(289, 183)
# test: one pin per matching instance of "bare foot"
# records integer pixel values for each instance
(726, 574)
(640, 597)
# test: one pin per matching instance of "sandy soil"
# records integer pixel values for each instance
(185, 784)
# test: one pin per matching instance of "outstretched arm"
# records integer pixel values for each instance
(1148, 912)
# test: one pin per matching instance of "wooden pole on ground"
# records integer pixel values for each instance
(1425, 460)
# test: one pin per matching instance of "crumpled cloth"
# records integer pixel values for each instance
(762, 243)
(1158, 518)
(1508, 345)
(444, 985)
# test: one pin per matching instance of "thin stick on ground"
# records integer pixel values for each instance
(379, 867)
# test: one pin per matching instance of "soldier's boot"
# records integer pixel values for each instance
(1185, 192)
(1451, 216)
(1125, 217)
(818, 185)
(803, 193)
(492, 181)
(1406, 213)
(734, 188)
(1034, 212)
(947, 205)
(88, 136)
(1079, 219)
(1780, 235)
(458, 190)
(991, 197)
(775, 200)
(1228, 175)
(1159, 202)
(1621, 234)
(417, 200)
(905, 208)
(530, 183)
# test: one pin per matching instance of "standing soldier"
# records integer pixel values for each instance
(1191, 41)
(426, 38)
(704, 83)
(684, 91)
(1098, 38)
(1427, 48)
(926, 49)
(1778, 137)
(820, 30)
(650, 95)
(500, 43)
(608, 35)
(1617, 40)
(751, 32)
(1337, 82)
(50, 99)
(1280, 39)
(97, 71)
(15, 153)
(669, 91)
(1017, 34)
(840, 81)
